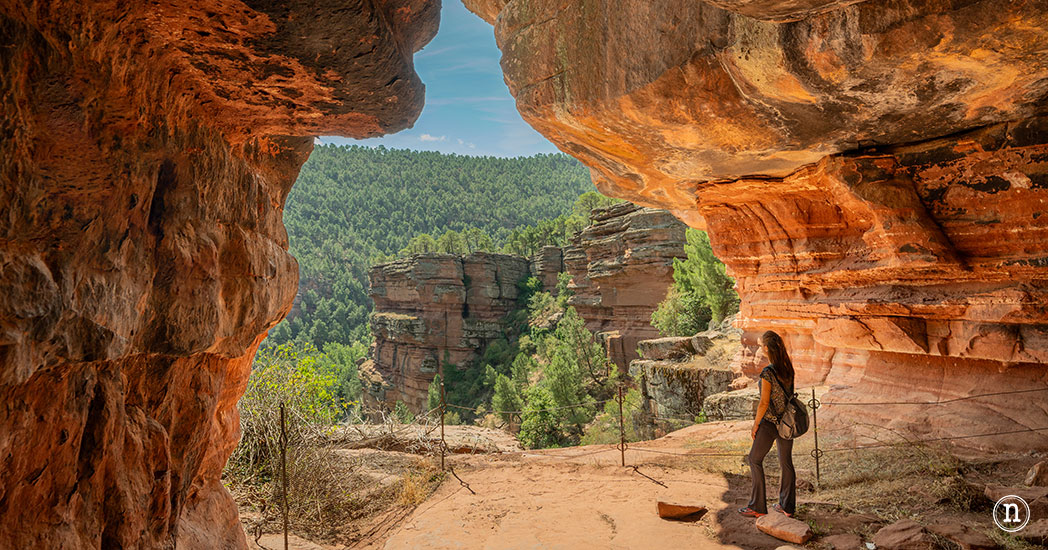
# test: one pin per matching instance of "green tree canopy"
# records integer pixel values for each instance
(354, 206)
(701, 292)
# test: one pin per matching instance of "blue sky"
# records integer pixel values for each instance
(468, 108)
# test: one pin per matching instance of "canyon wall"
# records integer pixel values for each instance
(873, 173)
(436, 309)
(432, 311)
(146, 154)
(621, 267)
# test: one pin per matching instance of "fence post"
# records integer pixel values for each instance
(816, 453)
(283, 470)
(622, 429)
(443, 406)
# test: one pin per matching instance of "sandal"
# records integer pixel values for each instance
(750, 512)
(779, 509)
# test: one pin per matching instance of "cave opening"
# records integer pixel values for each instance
(147, 252)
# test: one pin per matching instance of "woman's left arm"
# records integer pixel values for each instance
(762, 407)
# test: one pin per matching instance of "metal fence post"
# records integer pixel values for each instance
(283, 470)
(816, 453)
(622, 429)
(443, 406)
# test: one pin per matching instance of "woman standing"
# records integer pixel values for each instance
(776, 380)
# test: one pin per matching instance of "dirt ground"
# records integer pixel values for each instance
(582, 497)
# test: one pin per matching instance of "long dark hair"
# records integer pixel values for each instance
(777, 355)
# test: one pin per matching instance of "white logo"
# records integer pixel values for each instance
(1011, 513)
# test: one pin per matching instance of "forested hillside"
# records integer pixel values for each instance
(356, 206)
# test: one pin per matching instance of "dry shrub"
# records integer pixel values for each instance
(413, 490)
(896, 482)
(416, 485)
(320, 491)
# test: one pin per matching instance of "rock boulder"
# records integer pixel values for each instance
(1038, 475)
(689, 371)
(784, 528)
(732, 405)
(904, 534)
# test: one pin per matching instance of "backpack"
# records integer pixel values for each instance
(793, 422)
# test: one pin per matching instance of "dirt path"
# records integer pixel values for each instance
(583, 498)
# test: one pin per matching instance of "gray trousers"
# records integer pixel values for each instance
(766, 435)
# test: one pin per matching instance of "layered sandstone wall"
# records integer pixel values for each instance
(432, 311)
(144, 164)
(621, 267)
(437, 309)
(676, 375)
(873, 174)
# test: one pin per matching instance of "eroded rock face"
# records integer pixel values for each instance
(873, 174)
(143, 170)
(433, 308)
(433, 311)
(621, 267)
(677, 376)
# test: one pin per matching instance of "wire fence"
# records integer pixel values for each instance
(432, 423)
(814, 404)
(931, 403)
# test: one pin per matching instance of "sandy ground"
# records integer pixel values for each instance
(583, 498)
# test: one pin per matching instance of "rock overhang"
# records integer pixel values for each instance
(658, 97)
(870, 172)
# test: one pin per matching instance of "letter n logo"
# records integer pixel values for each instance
(1011, 513)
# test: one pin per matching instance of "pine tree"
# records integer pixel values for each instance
(506, 398)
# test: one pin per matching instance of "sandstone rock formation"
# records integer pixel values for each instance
(433, 310)
(677, 375)
(547, 265)
(621, 266)
(732, 405)
(873, 174)
(144, 164)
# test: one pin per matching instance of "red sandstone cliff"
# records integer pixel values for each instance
(433, 310)
(144, 164)
(873, 174)
(621, 267)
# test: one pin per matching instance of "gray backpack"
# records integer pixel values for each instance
(793, 422)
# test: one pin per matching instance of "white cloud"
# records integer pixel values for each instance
(427, 53)
(428, 137)
(316, 141)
